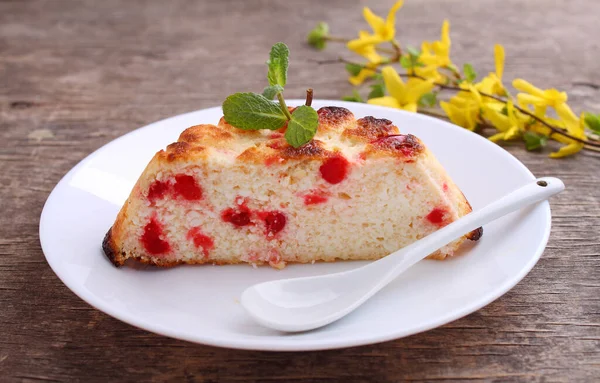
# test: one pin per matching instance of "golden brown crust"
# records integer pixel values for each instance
(370, 129)
(270, 147)
(333, 117)
(110, 250)
(403, 146)
(476, 234)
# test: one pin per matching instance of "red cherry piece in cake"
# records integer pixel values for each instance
(437, 216)
(201, 240)
(157, 190)
(335, 169)
(445, 187)
(187, 187)
(151, 238)
(274, 222)
(315, 198)
(237, 217)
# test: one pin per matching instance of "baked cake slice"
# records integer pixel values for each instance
(359, 190)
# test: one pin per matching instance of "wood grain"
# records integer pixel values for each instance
(75, 75)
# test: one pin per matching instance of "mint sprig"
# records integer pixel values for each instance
(253, 111)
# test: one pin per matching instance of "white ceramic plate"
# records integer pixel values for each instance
(200, 303)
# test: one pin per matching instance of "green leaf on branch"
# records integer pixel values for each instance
(534, 141)
(271, 91)
(469, 72)
(355, 97)
(377, 90)
(592, 121)
(354, 69)
(452, 67)
(302, 127)
(428, 99)
(406, 62)
(317, 38)
(278, 64)
(413, 51)
(411, 60)
(252, 111)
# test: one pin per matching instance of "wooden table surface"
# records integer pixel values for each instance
(76, 75)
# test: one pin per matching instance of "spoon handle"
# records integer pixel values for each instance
(536, 191)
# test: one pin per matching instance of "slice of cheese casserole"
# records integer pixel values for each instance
(359, 190)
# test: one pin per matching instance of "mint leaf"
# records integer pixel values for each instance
(469, 72)
(302, 127)
(271, 91)
(377, 90)
(251, 111)
(534, 141)
(355, 97)
(428, 99)
(593, 122)
(354, 69)
(278, 64)
(317, 38)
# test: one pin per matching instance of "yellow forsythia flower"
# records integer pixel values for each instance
(510, 125)
(540, 99)
(366, 50)
(436, 54)
(492, 83)
(383, 30)
(464, 109)
(366, 72)
(402, 95)
(575, 127)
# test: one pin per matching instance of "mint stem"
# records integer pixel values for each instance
(309, 97)
(283, 106)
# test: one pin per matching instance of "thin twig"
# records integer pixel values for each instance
(433, 114)
(397, 50)
(343, 61)
(336, 39)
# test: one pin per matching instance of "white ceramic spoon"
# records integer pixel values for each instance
(302, 304)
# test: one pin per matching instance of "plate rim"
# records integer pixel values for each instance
(304, 345)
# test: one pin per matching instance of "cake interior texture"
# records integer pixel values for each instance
(358, 191)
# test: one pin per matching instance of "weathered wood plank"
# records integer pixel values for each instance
(76, 75)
